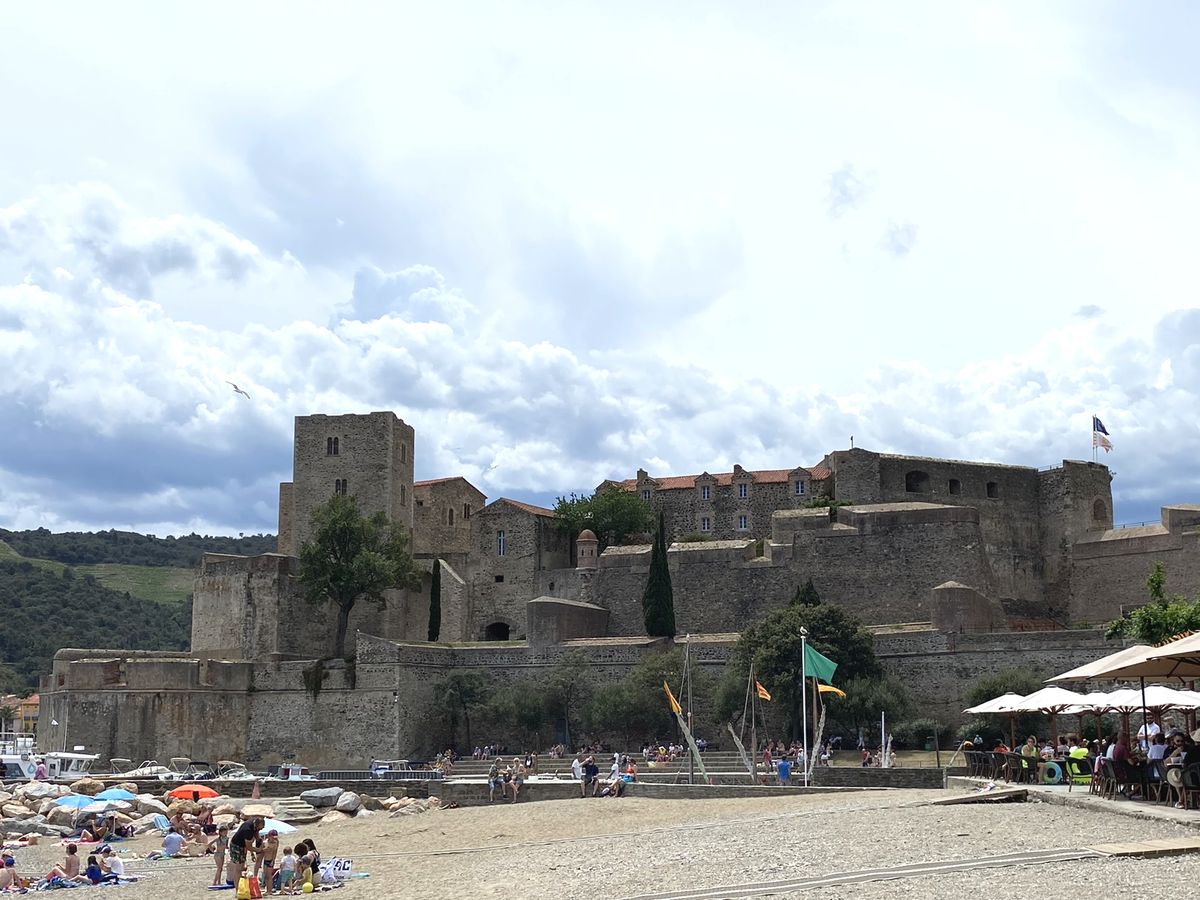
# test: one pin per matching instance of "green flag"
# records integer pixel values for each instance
(818, 666)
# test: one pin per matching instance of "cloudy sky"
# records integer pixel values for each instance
(567, 240)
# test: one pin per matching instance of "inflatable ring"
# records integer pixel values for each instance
(1052, 773)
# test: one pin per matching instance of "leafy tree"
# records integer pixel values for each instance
(612, 514)
(1162, 618)
(80, 548)
(353, 557)
(460, 692)
(521, 707)
(568, 687)
(773, 646)
(435, 601)
(1017, 681)
(658, 604)
(806, 595)
(867, 697)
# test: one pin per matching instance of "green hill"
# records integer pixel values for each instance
(82, 548)
(43, 610)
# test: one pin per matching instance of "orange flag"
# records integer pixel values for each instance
(761, 691)
(675, 707)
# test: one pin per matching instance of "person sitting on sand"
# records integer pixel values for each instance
(95, 874)
(112, 864)
(172, 846)
(69, 870)
(303, 874)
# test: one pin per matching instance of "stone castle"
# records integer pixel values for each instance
(979, 561)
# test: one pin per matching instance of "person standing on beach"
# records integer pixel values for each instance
(242, 840)
(577, 769)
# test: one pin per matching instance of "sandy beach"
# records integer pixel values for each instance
(601, 848)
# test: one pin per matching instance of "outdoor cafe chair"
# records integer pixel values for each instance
(1078, 771)
(997, 767)
(1191, 786)
(1156, 781)
(1021, 768)
(1103, 782)
(1127, 776)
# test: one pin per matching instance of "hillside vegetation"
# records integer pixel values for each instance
(43, 611)
(78, 548)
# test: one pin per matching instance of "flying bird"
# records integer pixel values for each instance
(238, 390)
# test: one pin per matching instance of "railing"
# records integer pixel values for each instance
(388, 775)
(1138, 524)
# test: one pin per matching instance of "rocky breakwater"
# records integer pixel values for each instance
(341, 805)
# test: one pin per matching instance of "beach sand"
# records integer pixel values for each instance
(598, 848)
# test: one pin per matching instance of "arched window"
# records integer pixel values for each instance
(1099, 511)
(916, 482)
(497, 631)
(993, 490)
(450, 515)
(331, 446)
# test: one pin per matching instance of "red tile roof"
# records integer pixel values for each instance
(529, 508)
(688, 482)
(429, 482)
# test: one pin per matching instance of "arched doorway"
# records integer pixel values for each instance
(497, 631)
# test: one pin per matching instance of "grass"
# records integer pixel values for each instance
(162, 584)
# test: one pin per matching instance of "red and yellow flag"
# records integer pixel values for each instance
(762, 692)
(675, 707)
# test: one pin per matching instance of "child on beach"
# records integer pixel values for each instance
(303, 874)
(287, 869)
(270, 851)
(220, 845)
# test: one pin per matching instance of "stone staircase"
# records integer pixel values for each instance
(294, 810)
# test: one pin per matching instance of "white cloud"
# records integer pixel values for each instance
(119, 413)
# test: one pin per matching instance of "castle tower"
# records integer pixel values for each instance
(368, 457)
(587, 551)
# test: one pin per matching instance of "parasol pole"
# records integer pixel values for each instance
(1145, 717)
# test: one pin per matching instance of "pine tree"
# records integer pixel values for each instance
(435, 601)
(658, 605)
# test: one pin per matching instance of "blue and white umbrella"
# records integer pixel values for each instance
(116, 794)
(74, 801)
(276, 825)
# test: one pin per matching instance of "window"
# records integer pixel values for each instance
(993, 490)
(403, 453)
(331, 446)
(646, 495)
(1099, 511)
(450, 516)
(743, 490)
(705, 492)
(466, 510)
(706, 524)
(403, 496)
(955, 486)
(799, 488)
(500, 543)
(916, 482)
(339, 487)
(499, 579)
(743, 522)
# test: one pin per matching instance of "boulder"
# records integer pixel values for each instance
(266, 810)
(348, 802)
(334, 817)
(61, 816)
(365, 813)
(318, 797)
(122, 819)
(225, 819)
(144, 825)
(89, 786)
(187, 807)
(148, 805)
(371, 804)
(16, 811)
(130, 786)
(44, 807)
(5, 796)
(38, 790)
(225, 809)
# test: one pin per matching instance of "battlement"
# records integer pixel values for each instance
(233, 564)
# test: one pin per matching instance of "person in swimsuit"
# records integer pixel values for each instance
(220, 845)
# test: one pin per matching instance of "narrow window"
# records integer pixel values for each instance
(955, 486)
(403, 496)
(403, 453)
(552, 585)
(335, 446)
(500, 547)
(450, 516)
(466, 510)
(329, 446)
(645, 495)
(743, 490)
(704, 492)
(993, 490)
(705, 524)
(499, 579)
(799, 488)
(743, 523)
(339, 487)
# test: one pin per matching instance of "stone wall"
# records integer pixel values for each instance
(442, 516)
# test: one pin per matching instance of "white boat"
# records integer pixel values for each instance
(149, 768)
(20, 758)
(230, 770)
(293, 772)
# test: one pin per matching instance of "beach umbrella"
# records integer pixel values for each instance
(276, 825)
(1002, 704)
(116, 794)
(104, 806)
(74, 801)
(188, 792)
(1177, 659)
(1099, 668)
(1052, 700)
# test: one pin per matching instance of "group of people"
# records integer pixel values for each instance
(103, 867)
(621, 772)
(506, 778)
(248, 847)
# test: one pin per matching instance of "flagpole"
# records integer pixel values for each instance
(804, 696)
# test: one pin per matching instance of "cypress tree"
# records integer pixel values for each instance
(806, 595)
(435, 601)
(658, 604)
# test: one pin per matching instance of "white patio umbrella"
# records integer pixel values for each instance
(1177, 659)
(1051, 700)
(1002, 704)
(1098, 667)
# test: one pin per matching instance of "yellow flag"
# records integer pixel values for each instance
(761, 691)
(830, 689)
(675, 707)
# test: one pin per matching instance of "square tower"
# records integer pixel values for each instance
(369, 457)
